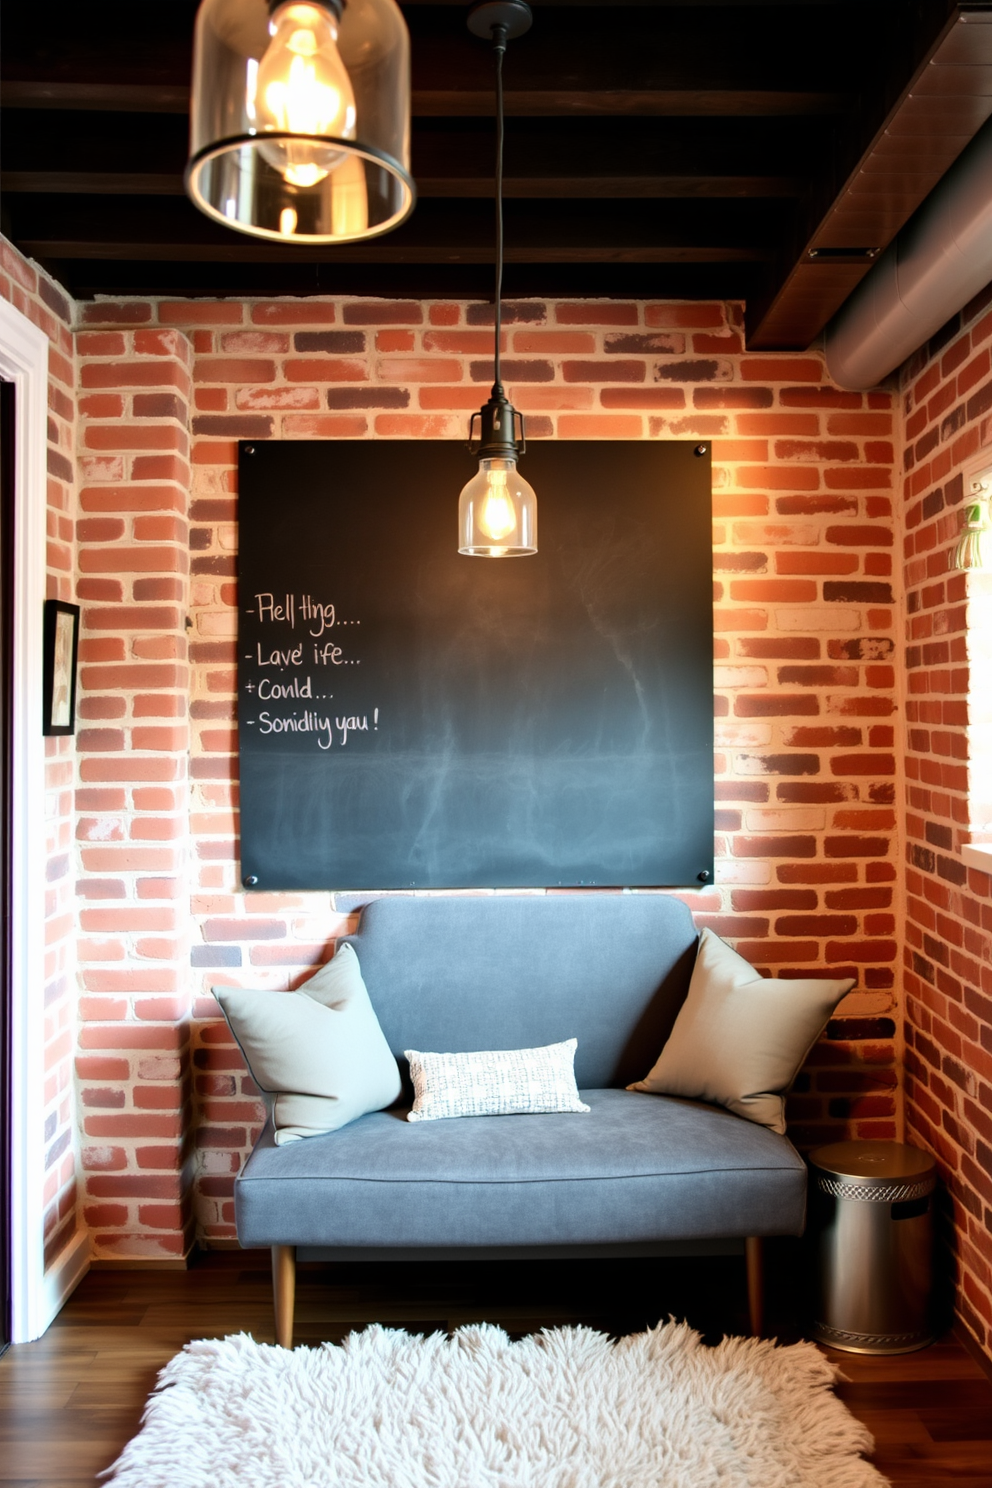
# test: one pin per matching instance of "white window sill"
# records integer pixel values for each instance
(978, 855)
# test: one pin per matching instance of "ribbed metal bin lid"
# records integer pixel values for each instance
(884, 1166)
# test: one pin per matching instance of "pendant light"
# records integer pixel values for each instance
(497, 510)
(300, 118)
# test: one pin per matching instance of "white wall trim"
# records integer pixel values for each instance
(64, 1275)
(24, 361)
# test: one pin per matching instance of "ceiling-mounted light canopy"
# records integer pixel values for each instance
(300, 118)
(497, 510)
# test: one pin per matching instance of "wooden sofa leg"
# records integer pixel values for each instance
(755, 1284)
(284, 1292)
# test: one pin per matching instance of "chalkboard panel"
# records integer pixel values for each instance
(412, 718)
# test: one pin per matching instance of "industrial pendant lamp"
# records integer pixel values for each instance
(300, 118)
(497, 510)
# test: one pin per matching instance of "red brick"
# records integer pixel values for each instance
(324, 426)
(774, 591)
(781, 369)
(305, 312)
(234, 369)
(861, 536)
(792, 562)
(857, 847)
(616, 370)
(788, 846)
(648, 397)
(101, 343)
(132, 618)
(102, 405)
(133, 374)
(595, 312)
(383, 312)
(200, 312)
(732, 397)
(693, 314)
(127, 313)
(758, 951)
(394, 340)
(599, 426)
(863, 764)
(330, 369)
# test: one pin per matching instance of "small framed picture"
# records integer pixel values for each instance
(61, 645)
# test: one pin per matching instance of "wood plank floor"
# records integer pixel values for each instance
(70, 1401)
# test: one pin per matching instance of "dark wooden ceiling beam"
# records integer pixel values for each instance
(943, 104)
(536, 103)
(386, 252)
(704, 231)
(104, 97)
(673, 188)
(464, 103)
(748, 116)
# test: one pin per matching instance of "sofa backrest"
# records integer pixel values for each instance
(456, 973)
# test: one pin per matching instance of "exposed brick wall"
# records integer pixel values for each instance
(36, 296)
(133, 818)
(806, 688)
(947, 394)
(806, 770)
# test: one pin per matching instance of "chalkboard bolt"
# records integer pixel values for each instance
(703, 875)
(699, 450)
(250, 880)
(249, 449)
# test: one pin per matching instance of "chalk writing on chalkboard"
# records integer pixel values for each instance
(291, 670)
(411, 718)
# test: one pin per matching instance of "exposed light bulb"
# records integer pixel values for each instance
(497, 517)
(497, 512)
(302, 87)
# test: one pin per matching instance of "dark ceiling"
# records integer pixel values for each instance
(682, 148)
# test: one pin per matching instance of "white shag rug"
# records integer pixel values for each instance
(566, 1408)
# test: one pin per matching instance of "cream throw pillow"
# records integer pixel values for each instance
(499, 1082)
(740, 1038)
(318, 1054)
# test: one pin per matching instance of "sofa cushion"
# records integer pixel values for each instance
(637, 1168)
(741, 1038)
(493, 1082)
(317, 1054)
(516, 971)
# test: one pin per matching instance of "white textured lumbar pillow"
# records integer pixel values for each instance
(740, 1038)
(318, 1054)
(497, 1082)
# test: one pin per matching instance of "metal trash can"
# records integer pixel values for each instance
(871, 1221)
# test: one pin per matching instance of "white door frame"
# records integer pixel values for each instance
(24, 361)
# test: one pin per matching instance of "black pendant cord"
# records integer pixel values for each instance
(501, 431)
(499, 47)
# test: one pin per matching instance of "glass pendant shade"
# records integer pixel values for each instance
(300, 118)
(497, 512)
(974, 549)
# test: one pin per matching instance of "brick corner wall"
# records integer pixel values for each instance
(947, 397)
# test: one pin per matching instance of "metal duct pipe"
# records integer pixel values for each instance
(938, 262)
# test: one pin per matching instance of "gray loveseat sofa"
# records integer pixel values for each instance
(638, 1174)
